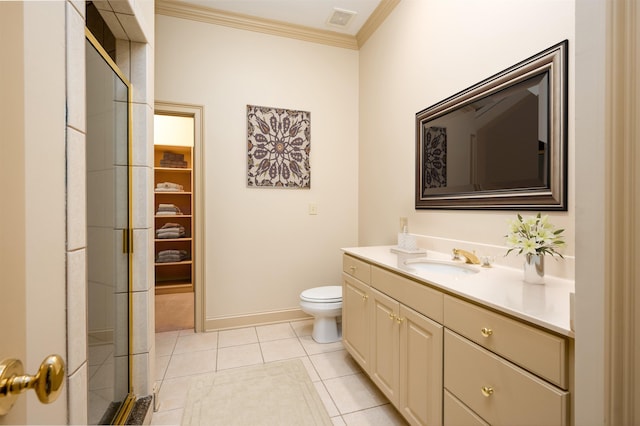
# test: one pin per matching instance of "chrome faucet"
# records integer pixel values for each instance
(469, 257)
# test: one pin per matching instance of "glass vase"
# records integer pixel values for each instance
(534, 269)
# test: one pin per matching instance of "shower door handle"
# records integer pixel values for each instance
(127, 241)
(47, 382)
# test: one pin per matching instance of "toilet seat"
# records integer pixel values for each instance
(326, 294)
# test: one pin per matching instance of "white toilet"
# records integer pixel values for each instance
(325, 304)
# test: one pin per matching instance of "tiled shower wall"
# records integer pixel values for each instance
(135, 59)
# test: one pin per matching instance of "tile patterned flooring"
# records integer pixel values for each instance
(348, 394)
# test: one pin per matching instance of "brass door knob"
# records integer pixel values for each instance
(47, 382)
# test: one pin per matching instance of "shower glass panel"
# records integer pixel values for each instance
(108, 254)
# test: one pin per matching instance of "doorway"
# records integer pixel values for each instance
(178, 217)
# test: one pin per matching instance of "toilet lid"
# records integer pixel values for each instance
(331, 293)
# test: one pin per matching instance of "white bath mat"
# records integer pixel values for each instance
(270, 394)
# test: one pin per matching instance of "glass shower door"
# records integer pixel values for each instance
(108, 254)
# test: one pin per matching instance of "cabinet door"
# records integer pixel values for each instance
(421, 346)
(385, 341)
(355, 319)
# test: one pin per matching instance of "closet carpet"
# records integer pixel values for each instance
(174, 312)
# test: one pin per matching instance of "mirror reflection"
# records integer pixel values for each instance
(497, 142)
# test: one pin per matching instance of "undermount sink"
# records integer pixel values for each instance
(440, 266)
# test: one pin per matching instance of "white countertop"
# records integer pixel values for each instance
(498, 287)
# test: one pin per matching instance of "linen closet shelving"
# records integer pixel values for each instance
(173, 213)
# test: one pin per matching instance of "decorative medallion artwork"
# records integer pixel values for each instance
(279, 143)
(435, 157)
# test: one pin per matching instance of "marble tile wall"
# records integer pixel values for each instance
(77, 368)
(135, 59)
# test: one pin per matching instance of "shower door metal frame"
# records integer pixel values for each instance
(129, 401)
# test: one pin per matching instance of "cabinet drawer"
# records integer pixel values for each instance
(458, 414)
(511, 397)
(540, 352)
(356, 268)
(419, 297)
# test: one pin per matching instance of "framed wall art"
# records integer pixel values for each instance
(278, 147)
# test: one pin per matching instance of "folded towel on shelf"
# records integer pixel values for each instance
(167, 206)
(168, 209)
(170, 233)
(166, 256)
(170, 225)
(172, 159)
(170, 230)
(168, 155)
(169, 186)
(173, 164)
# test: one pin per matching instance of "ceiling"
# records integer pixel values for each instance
(307, 13)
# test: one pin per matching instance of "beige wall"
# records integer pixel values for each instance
(425, 52)
(261, 246)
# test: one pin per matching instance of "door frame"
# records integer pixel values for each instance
(199, 289)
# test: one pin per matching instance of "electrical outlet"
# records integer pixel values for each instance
(313, 208)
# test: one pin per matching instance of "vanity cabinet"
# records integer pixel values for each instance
(403, 346)
(506, 372)
(356, 300)
(443, 360)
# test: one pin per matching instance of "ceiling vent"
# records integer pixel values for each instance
(341, 17)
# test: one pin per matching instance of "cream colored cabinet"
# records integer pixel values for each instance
(406, 359)
(442, 360)
(420, 368)
(402, 352)
(498, 391)
(502, 370)
(385, 345)
(356, 302)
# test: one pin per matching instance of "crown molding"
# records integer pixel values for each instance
(179, 9)
(376, 19)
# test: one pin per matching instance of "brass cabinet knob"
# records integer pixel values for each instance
(487, 391)
(400, 320)
(392, 316)
(47, 382)
(365, 297)
(486, 332)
